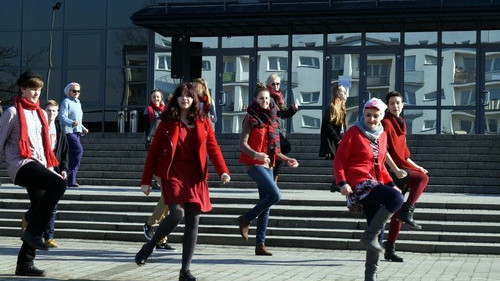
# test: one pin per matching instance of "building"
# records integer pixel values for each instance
(443, 55)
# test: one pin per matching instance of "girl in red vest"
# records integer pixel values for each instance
(178, 155)
(260, 148)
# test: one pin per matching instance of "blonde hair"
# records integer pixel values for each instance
(202, 87)
(336, 108)
(51, 103)
(273, 76)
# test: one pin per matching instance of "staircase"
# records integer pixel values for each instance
(459, 212)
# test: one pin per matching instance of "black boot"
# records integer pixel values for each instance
(185, 275)
(142, 255)
(371, 265)
(390, 252)
(406, 216)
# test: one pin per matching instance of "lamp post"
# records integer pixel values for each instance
(54, 9)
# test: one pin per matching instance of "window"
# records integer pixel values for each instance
(206, 66)
(429, 125)
(467, 97)
(310, 122)
(410, 97)
(466, 126)
(492, 64)
(433, 96)
(492, 126)
(163, 63)
(410, 63)
(430, 60)
(277, 64)
(309, 97)
(309, 62)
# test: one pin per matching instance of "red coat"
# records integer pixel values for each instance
(258, 141)
(396, 141)
(162, 150)
(354, 161)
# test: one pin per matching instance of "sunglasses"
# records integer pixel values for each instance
(75, 91)
(275, 84)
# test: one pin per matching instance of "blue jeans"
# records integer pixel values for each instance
(269, 194)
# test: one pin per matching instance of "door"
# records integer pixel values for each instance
(234, 90)
(489, 97)
(364, 75)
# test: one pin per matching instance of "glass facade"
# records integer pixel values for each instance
(450, 79)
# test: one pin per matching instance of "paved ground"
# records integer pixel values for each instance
(104, 260)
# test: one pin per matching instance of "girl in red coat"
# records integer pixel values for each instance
(361, 175)
(406, 173)
(178, 155)
(260, 149)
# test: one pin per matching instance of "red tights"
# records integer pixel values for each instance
(417, 181)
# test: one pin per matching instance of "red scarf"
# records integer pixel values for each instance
(206, 106)
(398, 123)
(151, 111)
(258, 116)
(278, 98)
(24, 142)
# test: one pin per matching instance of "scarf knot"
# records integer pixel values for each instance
(152, 107)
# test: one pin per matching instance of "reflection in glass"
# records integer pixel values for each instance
(10, 49)
(420, 38)
(420, 72)
(307, 40)
(273, 41)
(84, 14)
(420, 121)
(162, 74)
(346, 66)
(458, 121)
(126, 43)
(236, 92)
(38, 54)
(84, 49)
(459, 77)
(8, 87)
(492, 84)
(307, 88)
(11, 14)
(383, 39)
(119, 12)
(307, 120)
(459, 37)
(490, 36)
(161, 42)
(208, 42)
(380, 74)
(237, 42)
(89, 80)
(344, 39)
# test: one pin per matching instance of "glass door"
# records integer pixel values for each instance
(490, 96)
(235, 91)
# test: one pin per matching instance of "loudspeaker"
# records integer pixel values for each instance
(195, 63)
(180, 57)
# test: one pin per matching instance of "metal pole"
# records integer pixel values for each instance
(54, 8)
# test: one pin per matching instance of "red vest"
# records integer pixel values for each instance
(258, 141)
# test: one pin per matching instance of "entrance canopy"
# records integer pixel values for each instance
(261, 17)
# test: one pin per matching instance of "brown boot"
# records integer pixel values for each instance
(260, 250)
(244, 227)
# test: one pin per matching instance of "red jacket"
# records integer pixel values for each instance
(396, 141)
(258, 141)
(162, 150)
(354, 161)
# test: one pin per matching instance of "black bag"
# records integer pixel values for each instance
(285, 145)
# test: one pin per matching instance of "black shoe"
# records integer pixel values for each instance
(406, 216)
(142, 256)
(29, 271)
(334, 188)
(185, 275)
(165, 247)
(34, 241)
(74, 185)
(155, 185)
(390, 253)
(148, 231)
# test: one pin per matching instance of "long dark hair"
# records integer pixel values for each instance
(172, 113)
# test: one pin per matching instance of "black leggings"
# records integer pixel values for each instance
(191, 216)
